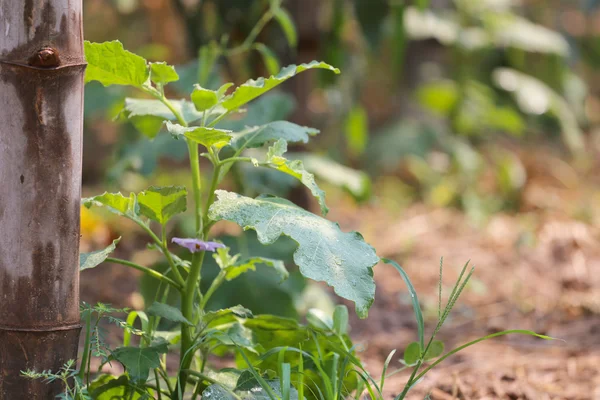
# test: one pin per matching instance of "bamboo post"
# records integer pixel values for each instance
(41, 123)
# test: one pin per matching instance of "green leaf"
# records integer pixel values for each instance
(167, 312)
(259, 135)
(139, 361)
(356, 183)
(207, 137)
(296, 169)
(287, 25)
(414, 299)
(148, 125)
(340, 319)
(412, 353)
(435, 350)
(357, 131)
(325, 253)
(115, 202)
(95, 258)
(204, 99)
(255, 88)
(249, 390)
(535, 97)
(235, 270)
(319, 319)
(161, 203)
(155, 108)
(161, 73)
(108, 387)
(270, 59)
(237, 311)
(110, 64)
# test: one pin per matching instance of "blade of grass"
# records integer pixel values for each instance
(385, 367)
(414, 299)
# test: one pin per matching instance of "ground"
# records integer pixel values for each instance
(536, 269)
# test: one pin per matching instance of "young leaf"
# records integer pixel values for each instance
(167, 312)
(414, 299)
(287, 25)
(161, 203)
(207, 137)
(139, 361)
(296, 169)
(259, 135)
(235, 270)
(110, 64)
(325, 253)
(255, 88)
(412, 353)
(204, 99)
(161, 73)
(95, 258)
(319, 319)
(340, 319)
(115, 202)
(270, 59)
(155, 108)
(435, 350)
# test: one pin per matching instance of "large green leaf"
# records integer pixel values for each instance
(259, 135)
(207, 137)
(325, 253)
(296, 169)
(161, 203)
(255, 88)
(139, 361)
(95, 258)
(110, 64)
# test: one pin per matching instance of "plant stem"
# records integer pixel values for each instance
(151, 272)
(86, 346)
(196, 184)
(213, 287)
(260, 25)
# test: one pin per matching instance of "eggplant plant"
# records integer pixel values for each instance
(276, 357)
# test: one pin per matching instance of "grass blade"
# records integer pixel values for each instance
(414, 299)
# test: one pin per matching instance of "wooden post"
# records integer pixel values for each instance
(41, 123)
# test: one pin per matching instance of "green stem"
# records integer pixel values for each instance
(151, 272)
(196, 184)
(213, 288)
(158, 389)
(247, 44)
(86, 346)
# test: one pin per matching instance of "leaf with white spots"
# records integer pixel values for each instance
(341, 259)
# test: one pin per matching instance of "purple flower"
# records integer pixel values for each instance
(195, 245)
